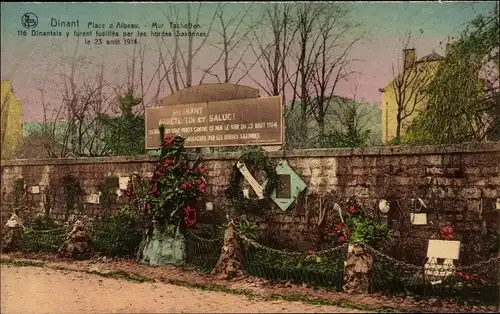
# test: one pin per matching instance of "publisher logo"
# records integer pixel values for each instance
(29, 20)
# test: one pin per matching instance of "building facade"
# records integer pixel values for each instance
(405, 96)
(11, 121)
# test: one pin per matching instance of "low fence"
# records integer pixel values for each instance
(472, 284)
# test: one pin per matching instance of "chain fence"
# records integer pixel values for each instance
(42, 241)
(202, 253)
(477, 283)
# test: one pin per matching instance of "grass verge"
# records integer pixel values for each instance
(211, 287)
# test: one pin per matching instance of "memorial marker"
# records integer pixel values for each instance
(241, 122)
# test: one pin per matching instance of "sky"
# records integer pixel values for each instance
(39, 63)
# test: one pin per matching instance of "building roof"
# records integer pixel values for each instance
(433, 56)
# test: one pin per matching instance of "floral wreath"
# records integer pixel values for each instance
(255, 159)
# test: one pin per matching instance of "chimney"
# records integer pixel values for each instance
(410, 57)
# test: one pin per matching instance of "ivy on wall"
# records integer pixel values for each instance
(73, 194)
(18, 192)
(108, 190)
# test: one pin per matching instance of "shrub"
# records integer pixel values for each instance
(38, 241)
(44, 222)
(118, 235)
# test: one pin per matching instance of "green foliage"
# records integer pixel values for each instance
(350, 138)
(18, 192)
(245, 228)
(351, 133)
(37, 241)
(255, 159)
(72, 194)
(118, 235)
(359, 227)
(43, 222)
(463, 90)
(108, 190)
(175, 185)
(366, 230)
(124, 135)
(325, 271)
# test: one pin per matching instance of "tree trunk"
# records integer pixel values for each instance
(358, 270)
(229, 265)
(398, 126)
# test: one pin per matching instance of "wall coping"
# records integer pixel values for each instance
(298, 153)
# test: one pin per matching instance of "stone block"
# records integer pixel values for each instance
(472, 170)
(434, 171)
(489, 170)
(470, 193)
(434, 160)
(494, 181)
(491, 193)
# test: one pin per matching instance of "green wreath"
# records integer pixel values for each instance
(254, 159)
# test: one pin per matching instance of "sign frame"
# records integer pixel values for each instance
(281, 122)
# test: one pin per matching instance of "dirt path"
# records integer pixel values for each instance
(42, 290)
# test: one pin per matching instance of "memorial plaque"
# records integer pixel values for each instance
(283, 189)
(418, 218)
(242, 122)
(289, 186)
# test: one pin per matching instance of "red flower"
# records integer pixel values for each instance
(189, 185)
(153, 191)
(201, 170)
(351, 209)
(189, 216)
(466, 277)
(338, 227)
(168, 140)
(446, 232)
(152, 179)
(167, 162)
(309, 252)
(184, 186)
(198, 181)
(148, 206)
(201, 187)
(187, 171)
(342, 238)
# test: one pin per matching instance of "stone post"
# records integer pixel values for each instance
(358, 269)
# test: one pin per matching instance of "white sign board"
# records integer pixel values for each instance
(35, 189)
(443, 249)
(123, 181)
(418, 218)
(92, 199)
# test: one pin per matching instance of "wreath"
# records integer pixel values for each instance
(255, 159)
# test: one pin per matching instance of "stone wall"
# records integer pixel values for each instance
(460, 185)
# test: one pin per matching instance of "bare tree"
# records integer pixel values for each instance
(182, 62)
(272, 56)
(71, 125)
(409, 87)
(233, 33)
(321, 59)
(306, 54)
(330, 63)
(145, 83)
